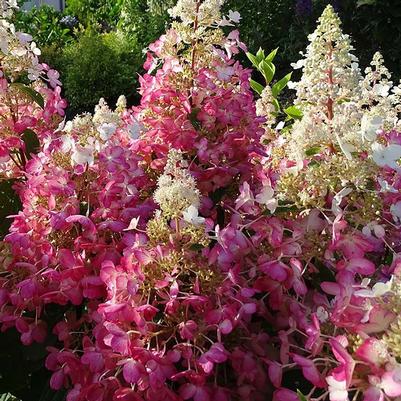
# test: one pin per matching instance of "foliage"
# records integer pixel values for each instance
(95, 12)
(95, 66)
(280, 25)
(371, 26)
(45, 25)
(265, 66)
(145, 20)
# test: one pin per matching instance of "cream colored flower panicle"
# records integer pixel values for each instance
(380, 99)
(329, 91)
(103, 114)
(206, 13)
(176, 188)
(265, 106)
(329, 68)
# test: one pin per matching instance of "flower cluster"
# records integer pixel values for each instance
(30, 101)
(336, 173)
(189, 261)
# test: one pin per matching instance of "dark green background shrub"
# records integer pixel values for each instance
(44, 24)
(104, 13)
(95, 66)
(373, 25)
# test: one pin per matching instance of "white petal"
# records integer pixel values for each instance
(133, 224)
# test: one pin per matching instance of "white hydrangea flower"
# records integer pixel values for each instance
(386, 155)
(266, 197)
(133, 224)
(135, 129)
(385, 186)
(191, 215)
(83, 155)
(106, 130)
(379, 96)
(176, 188)
(206, 14)
(103, 114)
(396, 212)
(370, 125)
(378, 290)
(336, 202)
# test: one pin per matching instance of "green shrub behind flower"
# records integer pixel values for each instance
(45, 25)
(88, 12)
(95, 66)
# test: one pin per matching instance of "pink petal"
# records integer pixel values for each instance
(390, 386)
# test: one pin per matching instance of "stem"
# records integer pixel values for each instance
(177, 228)
(329, 104)
(23, 158)
(15, 161)
(195, 41)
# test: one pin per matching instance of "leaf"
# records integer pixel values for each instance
(9, 204)
(267, 69)
(276, 105)
(253, 59)
(29, 92)
(32, 143)
(280, 85)
(260, 55)
(256, 86)
(192, 117)
(366, 3)
(271, 55)
(301, 396)
(293, 112)
(312, 151)
(285, 209)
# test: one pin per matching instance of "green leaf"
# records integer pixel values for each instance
(32, 143)
(280, 85)
(314, 163)
(260, 55)
(192, 117)
(271, 55)
(312, 151)
(256, 86)
(286, 208)
(276, 105)
(29, 92)
(293, 112)
(267, 69)
(196, 247)
(366, 3)
(9, 204)
(301, 396)
(253, 59)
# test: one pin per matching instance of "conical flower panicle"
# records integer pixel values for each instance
(330, 70)
(380, 100)
(329, 134)
(328, 91)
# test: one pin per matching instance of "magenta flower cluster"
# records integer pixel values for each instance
(220, 301)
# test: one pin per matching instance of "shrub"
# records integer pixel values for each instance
(97, 65)
(145, 20)
(286, 23)
(93, 12)
(45, 25)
